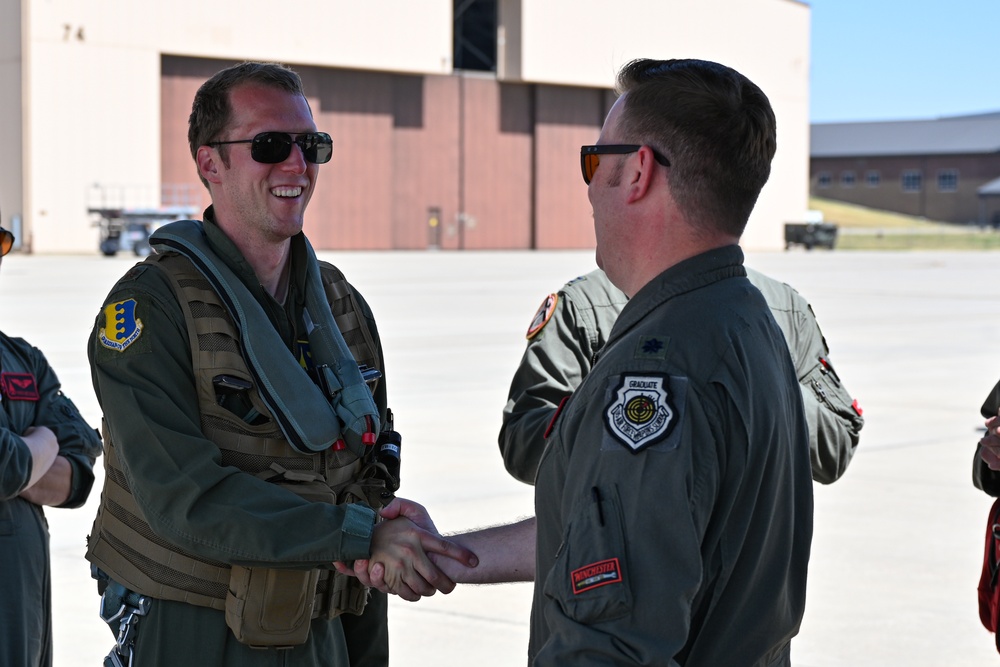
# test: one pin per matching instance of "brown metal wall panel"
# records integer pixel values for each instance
(179, 81)
(409, 147)
(567, 119)
(496, 185)
(425, 162)
(352, 205)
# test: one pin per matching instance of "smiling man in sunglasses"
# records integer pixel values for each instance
(243, 394)
(47, 454)
(674, 496)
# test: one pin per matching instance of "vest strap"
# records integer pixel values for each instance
(310, 421)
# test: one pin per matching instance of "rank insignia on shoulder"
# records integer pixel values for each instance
(19, 386)
(652, 347)
(641, 412)
(121, 326)
(543, 315)
(595, 575)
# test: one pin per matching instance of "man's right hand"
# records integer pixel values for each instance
(400, 562)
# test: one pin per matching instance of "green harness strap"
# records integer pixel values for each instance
(309, 420)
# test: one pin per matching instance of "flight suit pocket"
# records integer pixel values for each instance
(589, 579)
(830, 393)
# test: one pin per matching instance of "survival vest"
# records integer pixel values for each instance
(124, 546)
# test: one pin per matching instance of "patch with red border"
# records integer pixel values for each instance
(595, 575)
(19, 386)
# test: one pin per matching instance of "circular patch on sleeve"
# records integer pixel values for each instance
(543, 315)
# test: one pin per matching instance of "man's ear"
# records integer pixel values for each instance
(209, 164)
(641, 179)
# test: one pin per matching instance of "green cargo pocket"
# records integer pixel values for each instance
(588, 580)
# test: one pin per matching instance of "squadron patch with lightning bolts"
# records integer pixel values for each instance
(643, 411)
(122, 327)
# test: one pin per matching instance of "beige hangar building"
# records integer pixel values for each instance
(456, 123)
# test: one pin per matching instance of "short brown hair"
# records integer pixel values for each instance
(211, 111)
(715, 126)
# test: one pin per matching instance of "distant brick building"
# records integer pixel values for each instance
(944, 169)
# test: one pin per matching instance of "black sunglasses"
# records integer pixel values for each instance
(275, 147)
(6, 241)
(590, 156)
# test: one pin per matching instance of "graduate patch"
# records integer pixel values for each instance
(595, 575)
(121, 326)
(19, 386)
(641, 412)
(543, 315)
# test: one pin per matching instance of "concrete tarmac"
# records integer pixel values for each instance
(898, 541)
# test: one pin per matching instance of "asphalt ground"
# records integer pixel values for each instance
(898, 541)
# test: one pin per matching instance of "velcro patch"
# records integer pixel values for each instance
(121, 326)
(595, 575)
(652, 347)
(19, 386)
(543, 315)
(641, 412)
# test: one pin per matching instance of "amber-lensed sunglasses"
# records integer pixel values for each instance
(6, 241)
(590, 156)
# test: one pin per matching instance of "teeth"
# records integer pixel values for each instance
(286, 192)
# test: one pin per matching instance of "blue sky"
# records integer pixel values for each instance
(903, 59)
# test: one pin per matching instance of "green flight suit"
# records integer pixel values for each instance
(674, 503)
(217, 512)
(32, 397)
(573, 324)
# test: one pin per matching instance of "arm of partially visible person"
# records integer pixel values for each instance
(986, 462)
(70, 479)
(553, 365)
(24, 459)
(989, 444)
(503, 554)
(834, 420)
(54, 487)
(834, 417)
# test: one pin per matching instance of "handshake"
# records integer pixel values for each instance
(411, 559)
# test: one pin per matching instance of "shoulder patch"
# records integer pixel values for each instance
(19, 386)
(641, 412)
(121, 326)
(543, 315)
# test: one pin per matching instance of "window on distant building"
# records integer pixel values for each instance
(872, 178)
(912, 180)
(948, 180)
(823, 179)
(847, 179)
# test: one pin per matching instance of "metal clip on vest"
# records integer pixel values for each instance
(128, 608)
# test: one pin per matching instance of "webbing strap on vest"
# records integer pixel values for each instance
(309, 420)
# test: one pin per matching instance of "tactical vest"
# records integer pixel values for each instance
(124, 546)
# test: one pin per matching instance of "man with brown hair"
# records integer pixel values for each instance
(242, 389)
(674, 497)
